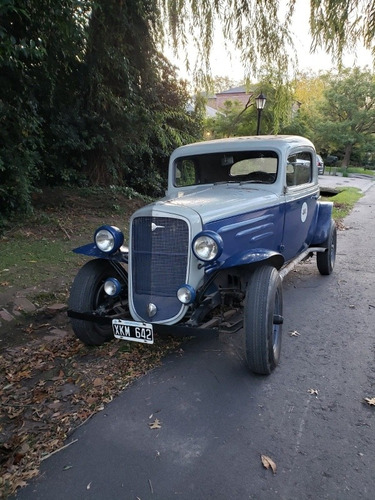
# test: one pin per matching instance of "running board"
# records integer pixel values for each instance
(289, 267)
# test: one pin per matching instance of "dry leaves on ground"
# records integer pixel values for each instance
(294, 333)
(52, 386)
(313, 392)
(156, 424)
(268, 463)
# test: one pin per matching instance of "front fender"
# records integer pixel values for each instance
(91, 250)
(252, 257)
(323, 223)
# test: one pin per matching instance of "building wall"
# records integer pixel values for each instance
(241, 97)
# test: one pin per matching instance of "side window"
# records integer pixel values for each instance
(299, 169)
(185, 173)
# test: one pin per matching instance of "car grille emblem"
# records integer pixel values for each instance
(154, 226)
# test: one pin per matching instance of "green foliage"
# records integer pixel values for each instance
(255, 27)
(86, 98)
(238, 120)
(340, 24)
(39, 45)
(359, 170)
(347, 112)
(344, 201)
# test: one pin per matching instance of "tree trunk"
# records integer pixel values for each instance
(348, 153)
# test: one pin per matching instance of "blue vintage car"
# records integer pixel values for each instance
(238, 214)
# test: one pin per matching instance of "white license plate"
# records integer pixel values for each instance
(133, 331)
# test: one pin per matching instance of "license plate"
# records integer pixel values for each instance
(133, 331)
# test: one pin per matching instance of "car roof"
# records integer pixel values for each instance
(242, 143)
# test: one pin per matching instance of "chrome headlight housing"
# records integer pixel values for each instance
(207, 246)
(112, 287)
(186, 294)
(108, 239)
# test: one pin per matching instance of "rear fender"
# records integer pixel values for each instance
(323, 223)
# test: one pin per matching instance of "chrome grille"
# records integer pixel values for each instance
(159, 255)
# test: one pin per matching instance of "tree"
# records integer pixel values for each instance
(40, 42)
(236, 119)
(78, 80)
(347, 112)
(261, 29)
(136, 106)
(86, 97)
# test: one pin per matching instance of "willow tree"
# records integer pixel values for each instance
(261, 29)
(135, 104)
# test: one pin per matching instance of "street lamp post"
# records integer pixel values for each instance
(260, 103)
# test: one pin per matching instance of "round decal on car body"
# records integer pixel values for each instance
(304, 212)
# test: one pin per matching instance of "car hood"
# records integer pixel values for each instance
(219, 202)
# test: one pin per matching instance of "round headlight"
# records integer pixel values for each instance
(112, 287)
(108, 239)
(186, 294)
(207, 246)
(104, 240)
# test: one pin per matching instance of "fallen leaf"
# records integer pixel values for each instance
(294, 333)
(370, 401)
(97, 382)
(156, 424)
(313, 391)
(268, 463)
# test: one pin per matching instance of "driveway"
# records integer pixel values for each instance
(213, 420)
(362, 182)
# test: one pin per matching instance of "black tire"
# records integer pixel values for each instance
(326, 260)
(263, 320)
(87, 295)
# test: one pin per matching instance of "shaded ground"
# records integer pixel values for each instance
(52, 383)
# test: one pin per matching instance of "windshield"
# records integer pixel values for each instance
(213, 168)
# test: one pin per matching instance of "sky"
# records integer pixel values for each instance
(223, 64)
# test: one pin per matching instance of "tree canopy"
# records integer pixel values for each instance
(347, 112)
(261, 29)
(89, 98)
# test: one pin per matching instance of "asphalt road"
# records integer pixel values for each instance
(217, 419)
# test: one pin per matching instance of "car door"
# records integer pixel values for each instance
(301, 195)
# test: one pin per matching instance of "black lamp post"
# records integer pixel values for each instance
(260, 103)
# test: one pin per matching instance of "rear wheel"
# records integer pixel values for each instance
(263, 320)
(326, 260)
(88, 296)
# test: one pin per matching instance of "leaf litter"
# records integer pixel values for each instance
(268, 463)
(52, 386)
(156, 424)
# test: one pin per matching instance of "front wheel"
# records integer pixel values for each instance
(263, 319)
(87, 295)
(326, 260)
